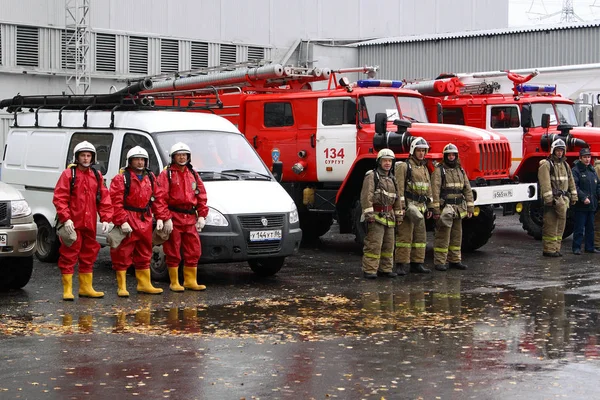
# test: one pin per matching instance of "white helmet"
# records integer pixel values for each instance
(180, 148)
(84, 146)
(558, 144)
(418, 143)
(385, 154)
(450, 148)
(138, 151)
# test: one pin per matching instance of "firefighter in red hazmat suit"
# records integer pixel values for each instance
(181, 211)
(79, 196)
(132, 195)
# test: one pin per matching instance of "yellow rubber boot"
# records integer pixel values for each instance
(85, 286)
(189, 279)
(122, 284)
(144, 285)
(174, 276)
(67, 281)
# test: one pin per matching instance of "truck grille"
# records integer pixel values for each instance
(4, 217)
(494, 158)
(255, 222)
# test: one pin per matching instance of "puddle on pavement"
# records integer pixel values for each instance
(543, 323)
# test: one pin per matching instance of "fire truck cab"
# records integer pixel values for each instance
(326, 141)
(505, 103)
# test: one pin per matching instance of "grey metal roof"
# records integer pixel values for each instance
(487, 32)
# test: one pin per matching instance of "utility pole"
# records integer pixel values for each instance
(77, 45)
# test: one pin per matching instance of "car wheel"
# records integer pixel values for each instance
(158, 265)
(47, 245)
(266, 266)
(16, 272)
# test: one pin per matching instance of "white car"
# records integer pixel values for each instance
(17, 238)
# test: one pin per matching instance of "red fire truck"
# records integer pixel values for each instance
(506, 103)
(326, 140)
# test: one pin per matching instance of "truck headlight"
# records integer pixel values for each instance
(19, 208)
(294, 214)
(215, 218)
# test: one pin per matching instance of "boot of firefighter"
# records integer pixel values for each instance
(144, 285)
(85, 286)
(67, 281)
(174, 277)
(189, 279)
(122, 284)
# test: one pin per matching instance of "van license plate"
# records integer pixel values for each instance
(260, 236)
(3, 240)
(503, 194)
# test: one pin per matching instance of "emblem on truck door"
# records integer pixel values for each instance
(264, 221)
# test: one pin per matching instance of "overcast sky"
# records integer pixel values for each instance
(533, 12)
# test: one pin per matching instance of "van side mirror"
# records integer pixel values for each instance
(277, 170)
(545, 121)
(381, 123)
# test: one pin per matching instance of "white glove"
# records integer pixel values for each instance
(69, 227)
(168, 228)
(201, 223)
(105, 227)
(159, 224)
(126, 228)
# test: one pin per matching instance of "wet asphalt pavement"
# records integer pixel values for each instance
(514, 325)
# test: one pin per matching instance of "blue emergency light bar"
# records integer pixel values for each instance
(379, 83)
(536, 88)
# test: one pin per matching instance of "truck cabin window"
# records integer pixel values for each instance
(412, 109)
(278, 114)
(560, 113)
(371, 105)
(504, 118)
(453, 116)
(339, 112)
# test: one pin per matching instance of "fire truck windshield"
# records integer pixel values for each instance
(560, 113)
(411, 108)
(215, 152)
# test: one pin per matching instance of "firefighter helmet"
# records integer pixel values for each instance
(418, 143)
(139, 152)
(84, 146)
(585, 152)
(385, 154)
(558, 144)
(450, 148)
(180, 148)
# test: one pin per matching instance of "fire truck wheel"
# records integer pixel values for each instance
(478, 230)
(314, 225)
(266, 266)
(358, 228)
(532, 219)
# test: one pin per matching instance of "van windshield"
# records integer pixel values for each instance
(565, 112)
(216, 154)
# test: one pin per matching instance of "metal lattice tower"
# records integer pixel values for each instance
(567, 13)
(77, 45)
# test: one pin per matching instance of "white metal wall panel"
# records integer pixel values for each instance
(153, 56)
(269, 22)
(427, 59)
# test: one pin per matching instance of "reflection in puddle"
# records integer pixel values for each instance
(503, 326)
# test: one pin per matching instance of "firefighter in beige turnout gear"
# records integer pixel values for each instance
(452, 201)
(415, 189)
(382, 208)
(597, 215)
(557, 189)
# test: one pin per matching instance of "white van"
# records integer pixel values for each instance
(251, 217)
